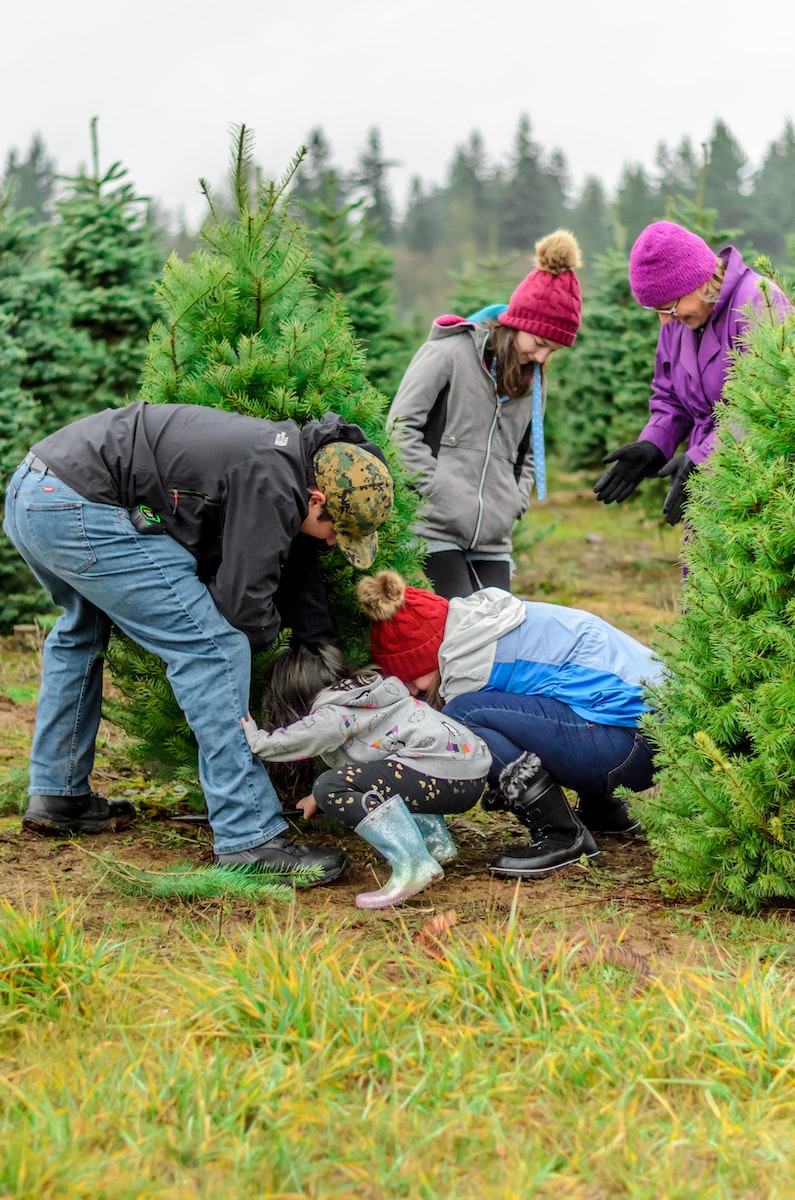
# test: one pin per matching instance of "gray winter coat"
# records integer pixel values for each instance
(371, 722)
(470, 454)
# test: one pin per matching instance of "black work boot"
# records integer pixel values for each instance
(285, 857)
(90, 813)
(558, 837)
(610, 817)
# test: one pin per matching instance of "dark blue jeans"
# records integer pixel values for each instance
(590, 759)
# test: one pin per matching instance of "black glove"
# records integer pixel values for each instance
(638, 460)
(679, 468)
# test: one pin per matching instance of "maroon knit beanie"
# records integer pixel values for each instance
(668, 262)
(407, 624)
(548, 302)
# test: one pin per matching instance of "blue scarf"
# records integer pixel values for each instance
(536, 427)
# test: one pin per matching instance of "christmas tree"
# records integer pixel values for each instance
(76, 304)
(723, 823)
(245, 328)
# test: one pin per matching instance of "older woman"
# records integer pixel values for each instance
(702, 300)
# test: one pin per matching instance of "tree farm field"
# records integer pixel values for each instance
(583, 1036)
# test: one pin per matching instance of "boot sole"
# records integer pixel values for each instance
(54, 829)
(635, 831)
(537, 872)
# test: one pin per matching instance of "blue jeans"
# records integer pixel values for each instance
(590, 759)
(99, 569)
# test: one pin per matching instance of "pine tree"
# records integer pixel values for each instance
(347, 259)
(590, 223)
(244, 328)
(370, 183)
(30, 182)
(770, 219)
(723, 825)
(637, 204)
(422, 226)
(44, 363)
(76, 305)
(678, 172)
(314, 176)
(104, 245)
(724, 177)
(468, 211)
(526, 206)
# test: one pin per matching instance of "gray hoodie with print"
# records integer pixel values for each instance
(370, 722)
(469, 450)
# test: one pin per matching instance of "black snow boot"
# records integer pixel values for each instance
(558, 837)
(610, 817)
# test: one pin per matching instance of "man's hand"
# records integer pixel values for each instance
(638, 460)
(678, 469)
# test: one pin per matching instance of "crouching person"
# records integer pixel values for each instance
(558, 689)
(396, 764)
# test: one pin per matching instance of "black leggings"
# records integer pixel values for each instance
(340, 792)
(453, 575)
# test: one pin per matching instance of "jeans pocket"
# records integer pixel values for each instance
(59, 533)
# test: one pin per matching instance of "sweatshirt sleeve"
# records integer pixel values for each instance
(325, 729)
(427, 373)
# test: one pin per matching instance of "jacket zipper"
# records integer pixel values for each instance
(482, 481)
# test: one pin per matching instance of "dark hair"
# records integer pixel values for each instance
(298, 675)
(514, 378)
(291, 684)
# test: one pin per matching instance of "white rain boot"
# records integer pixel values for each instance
(393, 832)
(437, 837)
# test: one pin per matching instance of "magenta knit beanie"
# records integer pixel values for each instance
(407, 624)
(548, 302)
(668, 262)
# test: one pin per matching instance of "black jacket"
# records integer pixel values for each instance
(231, 489)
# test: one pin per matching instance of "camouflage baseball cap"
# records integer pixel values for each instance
(359, 493)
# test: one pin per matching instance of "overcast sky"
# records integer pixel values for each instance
(604, 82)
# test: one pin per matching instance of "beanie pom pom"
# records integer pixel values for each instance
(558, 252)
(381, 595)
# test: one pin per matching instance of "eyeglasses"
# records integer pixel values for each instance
(667, 312)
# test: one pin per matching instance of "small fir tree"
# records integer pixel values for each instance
(245, 328)
(723, 824)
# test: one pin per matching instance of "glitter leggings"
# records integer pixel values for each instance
(342, 792)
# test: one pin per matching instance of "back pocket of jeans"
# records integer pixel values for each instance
(60, 535)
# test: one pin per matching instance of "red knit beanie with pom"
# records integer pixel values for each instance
(407, 624)
(548, 302)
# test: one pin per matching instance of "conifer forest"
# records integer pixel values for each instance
(103, 300)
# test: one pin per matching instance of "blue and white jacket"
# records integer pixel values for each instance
(493, 641)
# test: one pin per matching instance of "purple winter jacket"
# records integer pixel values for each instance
(689, 375)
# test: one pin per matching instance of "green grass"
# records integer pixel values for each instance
(297, 1061)
(239, 1047)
